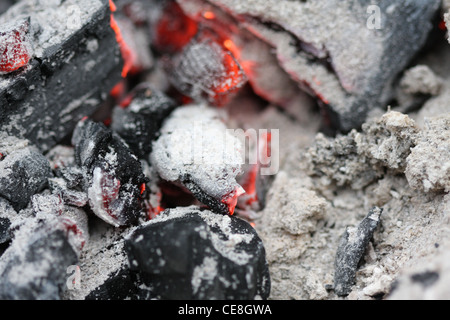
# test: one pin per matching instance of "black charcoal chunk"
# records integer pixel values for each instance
(24, 171)
(139, 121)
(186, 253)
(213, 203)
(351, 249)
(34, 266)
(118, 286)
(114, 176)
(75, 64)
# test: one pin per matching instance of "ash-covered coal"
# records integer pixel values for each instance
(205, 71)
(35, 264)
(15, 46)
(196, 150)
(24, 171)
(346, 54)
(75, 63)
(113, 174)
(186, 253)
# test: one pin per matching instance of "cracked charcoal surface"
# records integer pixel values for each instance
(186, 253)
(24, 171)
(351, 249)
(139, 122)
(114, 175)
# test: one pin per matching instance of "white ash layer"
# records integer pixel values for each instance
(194, 144)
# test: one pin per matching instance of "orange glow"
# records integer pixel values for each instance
(246, 65)
(209, 15)
(151, 211)
(250, 186)
(174, 30)
(112, 6)
(231, 199)
(232, 47)
(119, 90)
(127, 54)
(322, 98)
(126, 101)
(142, 188)
(16, 55)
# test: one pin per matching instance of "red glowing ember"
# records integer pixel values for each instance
(174, 30)
(15, 49)
(231, 199)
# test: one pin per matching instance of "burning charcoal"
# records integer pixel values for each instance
(75, 64)
(196, 150)
(24, 171)
(351, 249)
(34, 266)
(173, 29)
(205, 70)
(114, 175)
(15, 46)
(186, 253)
(135, 47)
(347, 54)
(139, 119)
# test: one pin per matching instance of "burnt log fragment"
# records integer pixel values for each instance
(114, 176)
(351, 249)
(186, 253)
(76, 62)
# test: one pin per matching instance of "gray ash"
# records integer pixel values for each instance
(124, 172)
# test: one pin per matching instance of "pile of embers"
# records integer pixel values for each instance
(118, 178)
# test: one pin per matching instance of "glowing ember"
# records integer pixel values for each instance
(15, 49)
(209, 15)
(231, 199)
(174, 30)
(142, 188)
(127, 54)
